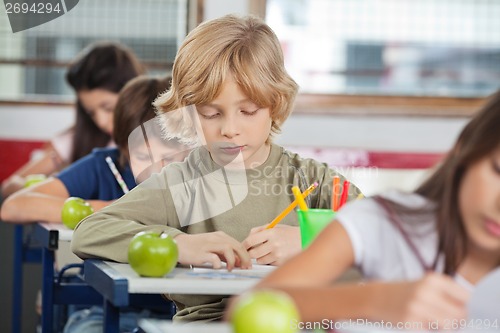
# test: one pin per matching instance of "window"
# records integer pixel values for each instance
(424, 48)
(33, 62)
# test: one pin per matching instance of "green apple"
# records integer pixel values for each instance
(31, 180)
(74, 210)
(265, 311)
(152, 255)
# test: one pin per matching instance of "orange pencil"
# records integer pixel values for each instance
(288, 209)
(335, 193)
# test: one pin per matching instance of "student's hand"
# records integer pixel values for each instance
(435, 299)
(212, 247)
(273, 246)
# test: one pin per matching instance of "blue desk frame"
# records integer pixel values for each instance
(54, 289)
(120, 286)
(23, 253)
(114, 289)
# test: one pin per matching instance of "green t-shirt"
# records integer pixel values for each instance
(198, 196)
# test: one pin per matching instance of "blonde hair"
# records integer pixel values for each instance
(244, 47)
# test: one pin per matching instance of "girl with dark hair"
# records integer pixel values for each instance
(140, 150)
(96, 75)
(429, 247)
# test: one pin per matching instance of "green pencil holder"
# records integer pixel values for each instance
(312, 222)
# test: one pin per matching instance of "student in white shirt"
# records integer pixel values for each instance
(421, 253)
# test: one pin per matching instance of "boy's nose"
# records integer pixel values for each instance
(229, 128)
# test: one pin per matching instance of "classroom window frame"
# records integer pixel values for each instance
(306, 103)
(382, 104)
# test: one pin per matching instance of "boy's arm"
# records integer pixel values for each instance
(106, 234)
(149, 207)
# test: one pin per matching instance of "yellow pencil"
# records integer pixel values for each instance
(299, 198)
(287, 210)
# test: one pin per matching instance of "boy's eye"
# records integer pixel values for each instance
(210, 116)
(249, 113)
(207, 111)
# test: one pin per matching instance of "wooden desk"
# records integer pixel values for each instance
(117, 283)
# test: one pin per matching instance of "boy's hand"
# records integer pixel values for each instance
(212, 247)
(273, 246)
(435, 300)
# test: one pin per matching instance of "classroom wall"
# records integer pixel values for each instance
(29, 126)
(403, 134)
(217, 8)
(428, 134)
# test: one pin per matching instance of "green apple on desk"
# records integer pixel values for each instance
(265, 311)
(74, 210)
(152, 255)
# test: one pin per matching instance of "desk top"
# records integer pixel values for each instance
(48, 235)
(65, 234)
(114, 279)
(204, 281)
(166, 326)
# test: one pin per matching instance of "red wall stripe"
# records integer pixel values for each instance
(14, 154)
(392, 160)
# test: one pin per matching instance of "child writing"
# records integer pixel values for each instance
(91, 178)
(96, 75)
(429, 247)
(230, 92)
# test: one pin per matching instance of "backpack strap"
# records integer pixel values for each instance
(396, 221)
